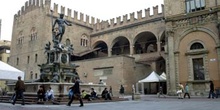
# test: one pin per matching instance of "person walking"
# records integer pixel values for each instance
(186, 91)
(76, 90)
(211, 91)
(161, 92)
(122, 91)
(19, 88)
(180, 91)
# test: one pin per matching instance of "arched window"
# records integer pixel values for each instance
(84, 40)
(67, 42)
(33, 35)
(20, 39)
(196, 46)
(197, 61)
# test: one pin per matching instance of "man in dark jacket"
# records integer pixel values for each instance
(76, 91)
(106, 95)
(19, 88)
(211, 92)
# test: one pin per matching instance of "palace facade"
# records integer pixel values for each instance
(182, 41)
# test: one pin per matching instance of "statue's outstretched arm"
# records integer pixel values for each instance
(67, 23)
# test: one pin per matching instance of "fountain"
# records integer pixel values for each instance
(58, 72)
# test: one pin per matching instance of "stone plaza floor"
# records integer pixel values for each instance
(146, 102)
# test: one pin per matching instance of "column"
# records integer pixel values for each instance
(131, 49)
(158, 46)
(109, 52)
(171, 76)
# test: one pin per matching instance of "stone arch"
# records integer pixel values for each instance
(120, 45)
(190, 30)
(102, 48)
(145, 42)
(201, 56)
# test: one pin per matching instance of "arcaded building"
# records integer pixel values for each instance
(182, 42)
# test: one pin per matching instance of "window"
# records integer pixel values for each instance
(33, 35)
(84, 41)
(198, 69)
(35, 75)
(194, 5)
(17, 61)
(28, 59)
(31, 74)
(68, 42)
(20, 40)
(35, 58)
(196, 45)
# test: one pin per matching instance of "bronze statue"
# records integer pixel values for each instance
(58, 54)
(61, 26)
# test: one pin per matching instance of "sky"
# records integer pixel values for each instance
(102, 9)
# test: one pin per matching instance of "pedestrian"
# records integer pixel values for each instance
(186, 91)
(180, 91)
(211, 91)
(70, 93)
(76, 90)
(19, 88)
(161, 92)
(122, 91)
(110, 91)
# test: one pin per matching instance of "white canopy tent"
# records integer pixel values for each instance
(8, 72)
(163, 75)
(153, 77)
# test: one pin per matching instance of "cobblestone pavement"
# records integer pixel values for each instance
(145, 103)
